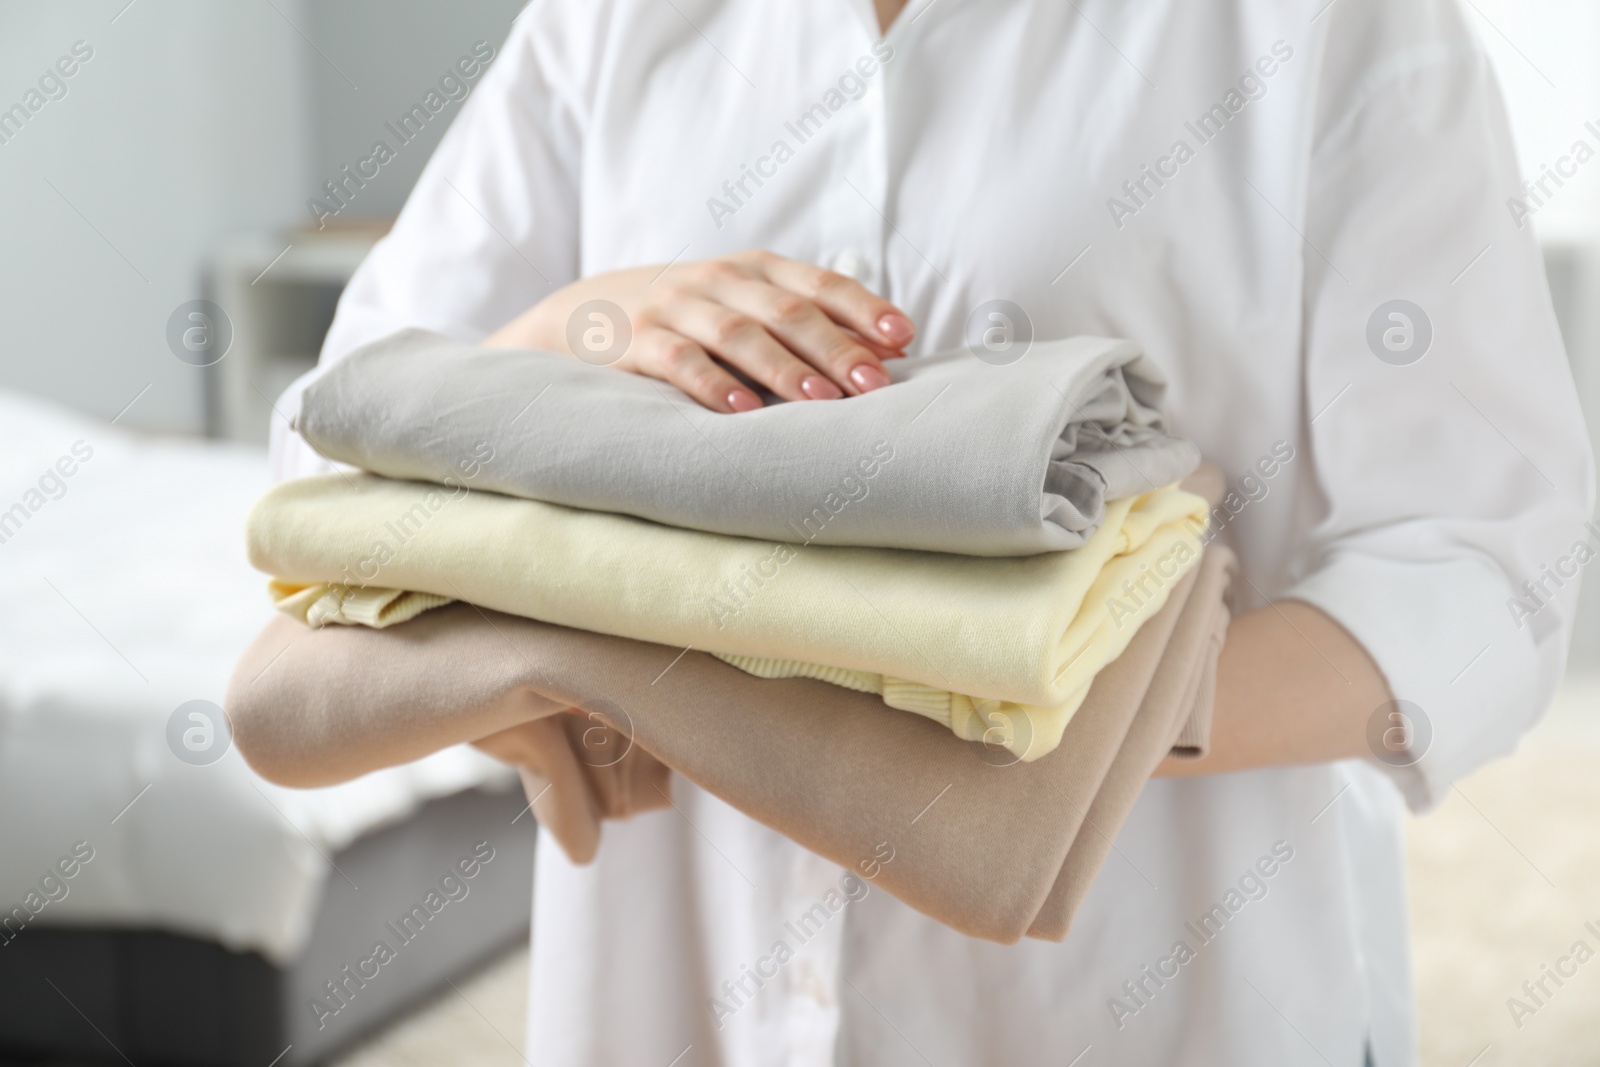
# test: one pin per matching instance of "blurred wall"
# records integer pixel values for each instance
(184, 126)
(396, 53)
(1547, 56)
(193, 121)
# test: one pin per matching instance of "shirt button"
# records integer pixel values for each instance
(851, 264)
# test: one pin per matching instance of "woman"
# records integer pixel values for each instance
(1298, 211)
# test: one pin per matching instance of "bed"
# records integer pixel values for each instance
(161, 906)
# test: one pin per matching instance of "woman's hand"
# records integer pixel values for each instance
(803, 332)
(1293, 687)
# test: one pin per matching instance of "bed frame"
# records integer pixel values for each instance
(158, 999)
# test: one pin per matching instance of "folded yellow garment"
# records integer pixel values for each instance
(927, 630)
(1026, 730)
(350, 605)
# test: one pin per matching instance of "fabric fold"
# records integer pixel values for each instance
(571, 787)
(1180, 693)
(1043, 443)
(979, 841)
(350, 605)
(972, 642)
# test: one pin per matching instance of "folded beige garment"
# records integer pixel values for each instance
(975, 643)
(1176, 701)
(571, 786)
(978, 841)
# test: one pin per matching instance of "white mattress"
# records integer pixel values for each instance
(152, 601)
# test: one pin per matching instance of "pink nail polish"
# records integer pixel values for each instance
(867, 377)
(896, 328)
(743, 400)
(819, 388)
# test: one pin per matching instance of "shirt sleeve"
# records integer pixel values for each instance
(1452, 471)
(492, 224)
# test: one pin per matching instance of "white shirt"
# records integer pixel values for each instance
(1356, 155)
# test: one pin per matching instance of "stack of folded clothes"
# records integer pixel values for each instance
(1003, 551)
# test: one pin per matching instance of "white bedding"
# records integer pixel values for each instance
(123, 597)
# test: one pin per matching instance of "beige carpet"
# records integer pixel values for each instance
(476, 1024)
(1503, 877)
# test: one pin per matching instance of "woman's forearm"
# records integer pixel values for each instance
(1293, 687)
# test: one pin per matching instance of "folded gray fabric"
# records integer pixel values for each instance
(959, 455)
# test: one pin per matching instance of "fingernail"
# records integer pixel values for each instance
(896, 328)
(819, 388)
(743, 400)
(868, 377)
